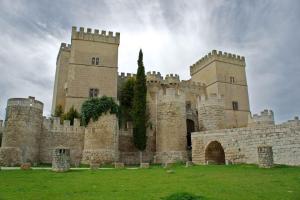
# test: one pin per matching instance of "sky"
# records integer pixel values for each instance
(173, 34)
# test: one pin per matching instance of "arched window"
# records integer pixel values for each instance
(97, 61)
(93, 60)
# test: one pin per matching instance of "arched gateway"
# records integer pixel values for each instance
(214, 153)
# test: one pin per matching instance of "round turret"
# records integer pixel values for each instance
(171, 140)
(23, 126)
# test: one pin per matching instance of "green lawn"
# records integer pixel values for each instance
(211, 182)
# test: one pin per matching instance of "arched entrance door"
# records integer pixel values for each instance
(190, 126)
(214, 153)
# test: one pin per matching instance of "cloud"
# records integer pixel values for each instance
(172, 34)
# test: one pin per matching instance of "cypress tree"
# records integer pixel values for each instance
(139, 107)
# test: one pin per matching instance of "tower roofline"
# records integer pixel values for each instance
(95, 35)
(215, 55)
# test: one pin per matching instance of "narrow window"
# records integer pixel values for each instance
(232, 79)
(235, 105)
(93, 92)
(188, 105)
(97, 61)
(93, 60)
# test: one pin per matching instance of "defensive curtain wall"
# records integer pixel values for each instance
(240, 145)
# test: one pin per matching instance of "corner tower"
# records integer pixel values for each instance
(224, 74)
(90, 69)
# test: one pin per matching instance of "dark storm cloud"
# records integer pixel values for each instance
(173, 35)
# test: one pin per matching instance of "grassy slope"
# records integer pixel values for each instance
(213, 182)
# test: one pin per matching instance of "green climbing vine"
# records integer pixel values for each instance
(93, 108)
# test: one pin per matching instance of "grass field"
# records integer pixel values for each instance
(211, 182)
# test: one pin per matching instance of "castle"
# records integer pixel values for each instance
(205, 119)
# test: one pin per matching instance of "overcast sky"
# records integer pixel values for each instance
(173, 35)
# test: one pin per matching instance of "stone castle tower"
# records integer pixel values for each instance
(224, 74)
(88, 67)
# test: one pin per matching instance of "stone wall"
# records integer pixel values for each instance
(211, 113)
(55, 134)
(240, 144)
(101, 140)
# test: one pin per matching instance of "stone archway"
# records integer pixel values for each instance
(214, 153)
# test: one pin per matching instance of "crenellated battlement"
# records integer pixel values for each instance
(95, 35)
(172, 79)
(53, 124)
(217, 56)
(293, 122)
(170, 94)
(266, 117)
(65, 47)
(122, 75)
(29, 102)
(191, 84)
(154, 77)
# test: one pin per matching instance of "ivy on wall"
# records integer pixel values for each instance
(93, 108)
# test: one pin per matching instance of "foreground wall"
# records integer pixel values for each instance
(240, 145)
(55, 134)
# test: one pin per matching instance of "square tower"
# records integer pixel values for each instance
(224, 74)
(91, 68)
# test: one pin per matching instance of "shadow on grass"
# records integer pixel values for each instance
(183, 196)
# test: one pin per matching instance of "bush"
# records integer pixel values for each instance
(71, 115)
(182, 196)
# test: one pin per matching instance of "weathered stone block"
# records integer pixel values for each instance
(144, 165)
(61, 159)
(189, 164)
(25, 166)
(119, 165)
(94, 166)
(265, 156)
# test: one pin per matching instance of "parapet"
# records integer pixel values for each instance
(172, 79)
(154, 77)
(217, 56)
(95, 35)
(191, 84)
(266, 117)
(294, 121)
(211, 100)
(65, 47)
(29, 102)
(170, 94)
(122, 75)
(54, 124)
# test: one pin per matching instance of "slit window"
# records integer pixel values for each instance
(97, 61)
(93, 60)
(235, 105)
